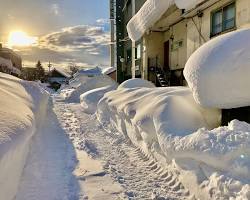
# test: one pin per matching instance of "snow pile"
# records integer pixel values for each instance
(89, 72)
(82, 83)
(108, 70)
(218, 82)
(90, 99)
(168, 124)
(151, 12)
(23, 106)
(135, 83)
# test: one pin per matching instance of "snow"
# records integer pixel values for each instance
(146, 17)
(151, 12)
(90, 72)
(169, 125)
(90, 99)
(82, 83)
(108, 70)
(135, 83)
(22, 107)
(218, 72)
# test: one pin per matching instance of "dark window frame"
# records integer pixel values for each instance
(224, 29)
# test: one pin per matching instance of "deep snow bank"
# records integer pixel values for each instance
(22, 108)
(218, 72)
(168, 124)
(90, 99)
(82, 83)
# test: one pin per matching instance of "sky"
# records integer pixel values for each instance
(65, 32)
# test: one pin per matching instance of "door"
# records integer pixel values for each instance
(166, 56)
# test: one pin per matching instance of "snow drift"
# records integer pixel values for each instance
(169, 125)
(90, 99)
(135, 83)
(218, 72)
(23, 106)
(82, 83)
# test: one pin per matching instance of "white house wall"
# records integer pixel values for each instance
(194, 40)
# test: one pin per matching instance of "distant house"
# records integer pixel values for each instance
(58, 76)
(10, 62)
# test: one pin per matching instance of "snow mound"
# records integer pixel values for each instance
(108, 70)
(169, 125)
(90, 72)
(90, 99)
(218, 72)
(8, 67)
(135, 83)
(22, 109)
(81, 84)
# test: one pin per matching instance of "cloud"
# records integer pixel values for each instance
(84, 44)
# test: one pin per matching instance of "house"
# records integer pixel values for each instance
(164, 35)
(170, 37)
(57, 77)
(10, 61)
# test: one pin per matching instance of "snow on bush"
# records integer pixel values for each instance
(82, 83)
(218, 72)
(22, 108)
(168, 124)
(135, 83)
(90, 99)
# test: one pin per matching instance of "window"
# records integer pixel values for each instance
(138, 51)
(223, 19)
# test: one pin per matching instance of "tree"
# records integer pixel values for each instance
(40, 72)
(73, 69)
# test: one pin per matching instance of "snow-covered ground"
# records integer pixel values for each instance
(134, 141)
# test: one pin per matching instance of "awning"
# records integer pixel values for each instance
(151, 12)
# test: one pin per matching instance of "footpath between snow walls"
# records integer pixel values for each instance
(22, 110)
(167, 124)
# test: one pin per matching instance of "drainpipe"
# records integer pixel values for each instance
(133, 44)
(112, 31)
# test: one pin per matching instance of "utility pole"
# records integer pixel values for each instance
(133, 44)
(49, 66)
(112, 29)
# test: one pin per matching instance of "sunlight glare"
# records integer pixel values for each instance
(20, 38)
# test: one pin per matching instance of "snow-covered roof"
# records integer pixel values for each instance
(108, 70)
(62, 72)
(151, 12)
(91, 72)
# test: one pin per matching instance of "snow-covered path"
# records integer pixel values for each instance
(140, 176)
(48, 172)
(74, 158)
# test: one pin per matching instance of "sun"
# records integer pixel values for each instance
(21, 39)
